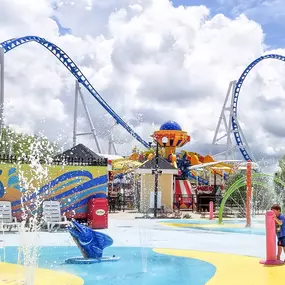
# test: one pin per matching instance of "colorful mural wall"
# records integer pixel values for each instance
(71, 185)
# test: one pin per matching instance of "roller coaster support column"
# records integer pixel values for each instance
(75, 113)
(111, 141)
(248, 193)
(224, 125)
(93, 131)
(1, 91)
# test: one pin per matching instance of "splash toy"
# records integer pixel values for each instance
(91, 244)
(270, 241)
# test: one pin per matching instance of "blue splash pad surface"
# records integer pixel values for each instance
(260, 230)
(161, 269)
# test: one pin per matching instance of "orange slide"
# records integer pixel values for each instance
(197, 159)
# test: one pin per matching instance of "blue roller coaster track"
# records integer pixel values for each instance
(237, 90)
(73, 68)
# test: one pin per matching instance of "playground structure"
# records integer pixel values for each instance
(176, 138)
(187, 184)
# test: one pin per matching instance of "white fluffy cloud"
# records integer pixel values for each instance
(150, 61)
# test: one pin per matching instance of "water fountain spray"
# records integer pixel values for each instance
(31, 218)
(248, 193)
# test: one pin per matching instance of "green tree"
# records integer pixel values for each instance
(23, 145)
(279, 188)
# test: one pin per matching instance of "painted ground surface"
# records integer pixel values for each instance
(14, 274)
(228, 226)
(135, 266)
(222, 257)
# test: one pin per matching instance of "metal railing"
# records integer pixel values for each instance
(202, 201)
(59, 160)
(121, 203)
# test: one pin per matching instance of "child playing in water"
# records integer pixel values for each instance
(280, 228)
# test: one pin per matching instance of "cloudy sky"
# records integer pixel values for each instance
(152, 61)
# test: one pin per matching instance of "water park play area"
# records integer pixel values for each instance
(161, 214)
(152, 253)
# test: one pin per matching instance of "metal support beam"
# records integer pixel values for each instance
(93, 131)
(224, 128)
(156, 181)
(1, 91)
(75, 112)
(111, 144)
(224, 124)
(84, 134)
(114, 148)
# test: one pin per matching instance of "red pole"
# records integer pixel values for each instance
(211, 210)
(248, 194)
(270, 241)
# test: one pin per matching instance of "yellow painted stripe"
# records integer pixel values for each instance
(234, 269)
(13, 274)
(213, 226)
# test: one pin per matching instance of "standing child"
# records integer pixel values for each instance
(280, 228)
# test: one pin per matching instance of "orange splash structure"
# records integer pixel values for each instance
(175, 137)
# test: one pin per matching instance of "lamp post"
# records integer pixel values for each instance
(156, 172)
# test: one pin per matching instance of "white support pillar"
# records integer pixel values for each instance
(224, 127)
(111, 143)
(75, 113)
(92, 128)
(224, 124)
(1, 91)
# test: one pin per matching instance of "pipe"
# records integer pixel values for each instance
(211, 210)
(248, 194)
(271, 258)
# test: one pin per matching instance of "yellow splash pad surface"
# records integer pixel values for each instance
(213, 226)
(234, 269)
(13, 274)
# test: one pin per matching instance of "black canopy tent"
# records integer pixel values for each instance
(81, 154)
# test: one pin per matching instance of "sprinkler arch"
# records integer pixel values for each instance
(242, 182)
(237, 89)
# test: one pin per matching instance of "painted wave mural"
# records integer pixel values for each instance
(73, 187)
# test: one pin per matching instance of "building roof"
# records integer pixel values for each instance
(162, 164)
(79, 151)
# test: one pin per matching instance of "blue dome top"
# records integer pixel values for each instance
(170, 126)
